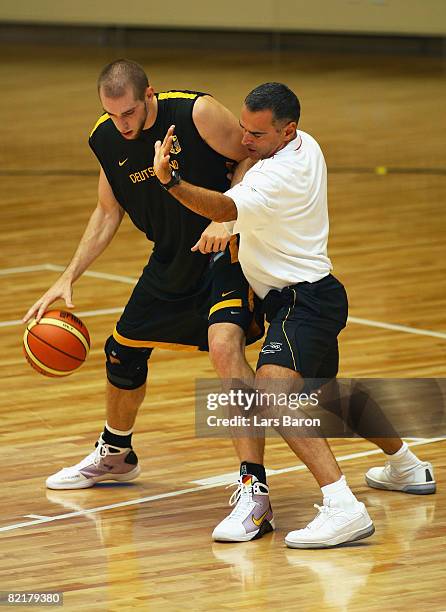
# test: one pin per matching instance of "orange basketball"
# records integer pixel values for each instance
(57, 345)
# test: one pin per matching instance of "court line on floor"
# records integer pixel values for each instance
(83, 313)
(130, 502)
(23, 269)
(232, 476)
(396, 327)
(129, 280)
(202, 487)
(365, 322)
(41, 517)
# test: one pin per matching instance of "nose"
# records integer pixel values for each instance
(123, 125)
(247, 138)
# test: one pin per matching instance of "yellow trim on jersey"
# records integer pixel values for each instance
(101, 119)
(151, 343)
(165, 95)
(225, 304)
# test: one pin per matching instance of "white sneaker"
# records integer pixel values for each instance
(333, 526)
(252, 516)
(106, 462)
(419, 480)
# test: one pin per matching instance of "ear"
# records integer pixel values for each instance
(150, 92)
(290, 131)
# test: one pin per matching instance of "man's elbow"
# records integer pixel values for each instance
(227, 214)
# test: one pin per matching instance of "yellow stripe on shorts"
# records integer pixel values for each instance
(171, 346)
(225, 304)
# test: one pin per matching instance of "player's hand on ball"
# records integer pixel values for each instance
(214, 238)
(58, 345)
(62, 288)
(162, 156)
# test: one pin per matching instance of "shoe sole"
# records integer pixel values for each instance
(415, 489)
(266, 527)
(361, 534)
(86, 484)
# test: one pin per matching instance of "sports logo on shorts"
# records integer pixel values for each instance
(272, 347)
(176, 147)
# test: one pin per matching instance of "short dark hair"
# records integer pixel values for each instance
(121, 74)
(276, 97)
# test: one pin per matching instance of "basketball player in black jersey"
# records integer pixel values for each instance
(191, 295)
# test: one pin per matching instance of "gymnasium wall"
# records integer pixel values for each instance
(403, 17)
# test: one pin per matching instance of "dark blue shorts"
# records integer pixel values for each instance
(305, 321)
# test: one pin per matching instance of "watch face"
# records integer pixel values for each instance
(175, 178)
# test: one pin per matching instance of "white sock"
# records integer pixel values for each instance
(338, 494)
(403, 459)
(118, 432)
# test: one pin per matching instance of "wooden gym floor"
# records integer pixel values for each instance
(146, 545)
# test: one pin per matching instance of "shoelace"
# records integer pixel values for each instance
(397, 470)
(322, 511)
(101, 451)
(242, 497)
(394, 472)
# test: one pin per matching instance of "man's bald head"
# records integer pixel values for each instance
(116, 78)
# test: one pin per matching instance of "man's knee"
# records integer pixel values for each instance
(274, 385)
(271, 374)
(226, 342)
(126, 366)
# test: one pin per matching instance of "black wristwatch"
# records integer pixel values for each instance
(174, 180)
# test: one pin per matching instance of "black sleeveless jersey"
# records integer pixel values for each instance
(173, 271)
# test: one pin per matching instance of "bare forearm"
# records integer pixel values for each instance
(98, 234)
(101, 228)
(210, 204)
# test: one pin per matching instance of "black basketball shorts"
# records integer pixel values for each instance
(150, 322)
(305, 320)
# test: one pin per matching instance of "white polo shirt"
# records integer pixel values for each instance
(282, 217)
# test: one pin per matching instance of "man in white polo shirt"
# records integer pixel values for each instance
(282, 216)
(279, 206)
